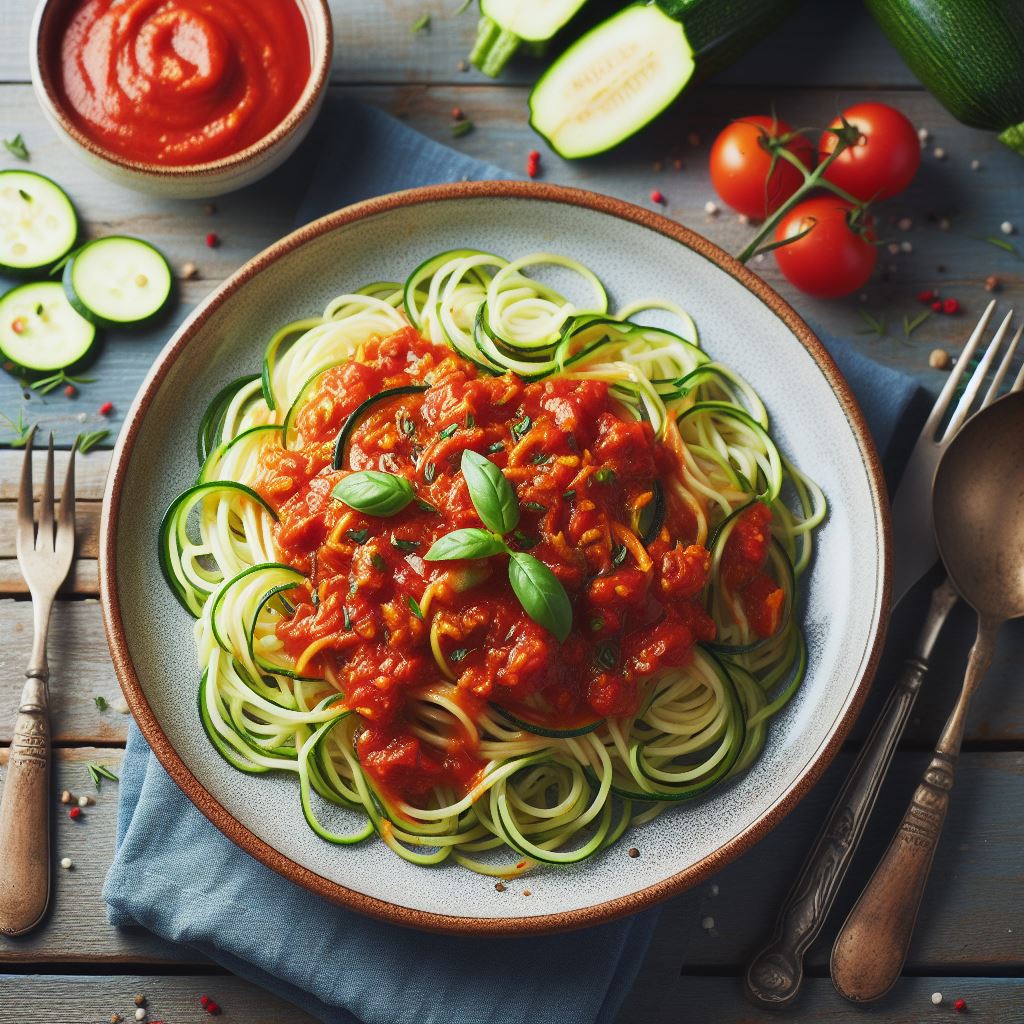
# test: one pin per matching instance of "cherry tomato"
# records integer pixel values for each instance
(883, 161)
(740, 164)
(831, 259)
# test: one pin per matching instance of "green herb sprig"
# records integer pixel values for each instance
(16, 147)
(99, 772)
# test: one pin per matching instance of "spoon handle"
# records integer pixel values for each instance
(774, 976)
(872, 946)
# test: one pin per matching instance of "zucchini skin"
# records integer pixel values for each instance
(968, 53)
(720, 31)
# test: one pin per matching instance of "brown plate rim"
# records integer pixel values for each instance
(361, 902)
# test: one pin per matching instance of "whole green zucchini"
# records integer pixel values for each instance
(969, 54)
(623, 73)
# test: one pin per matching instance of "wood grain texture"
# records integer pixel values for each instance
(76, 999)
(978, 864)
(247, 221)
(374, 43)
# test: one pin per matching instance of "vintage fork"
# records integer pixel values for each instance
(775, 974)
(45, 558)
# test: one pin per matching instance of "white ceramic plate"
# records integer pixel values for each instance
(636, 253)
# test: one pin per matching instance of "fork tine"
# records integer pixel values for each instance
(26, 532)
(66, 519)
(949, 388)
(1018, 384)
(993, 392)
(44, 533)
(963, 407)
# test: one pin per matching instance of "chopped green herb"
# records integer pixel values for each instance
(314, 597)
(605, 656)
(405, 545)
(911, 324)
(519, 429)
(24, 195)
(498, 446)
(99, 772)
(470, 421)
(524, 541)
(429, 472)
(618, 554)
(414, 607)
(448, 431)
(101, 703)
(39, 309)
(426, 506)
(20, 428)
(16, 147)
(353, 586)
(460, 128)
(357, 536)
(571, 493)
(377, 562)
(458, 654)
(875, 325)
(1001, 243)
(407, 426)
(421, 24)
(540, 458)
(347, 618)
(535, 506)
(596, 624)
(605, 476)
(86, 442)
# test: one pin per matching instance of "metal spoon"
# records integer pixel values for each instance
(978, 504)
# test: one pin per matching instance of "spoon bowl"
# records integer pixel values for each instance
(979, 510)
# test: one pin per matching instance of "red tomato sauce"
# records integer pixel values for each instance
(181, 81)
(744, 571)
(581, 469)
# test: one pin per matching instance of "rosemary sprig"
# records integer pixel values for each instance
(1002, 243)
(99, 772)
(875, 325)
(47, 384)
(20, 428)
(911, 324)
(421, 24)
(16, 147)
(87, 441)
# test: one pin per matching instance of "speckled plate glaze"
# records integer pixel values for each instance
(636, 253)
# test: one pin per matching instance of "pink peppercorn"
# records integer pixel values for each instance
(950, 306)
(212, 240)
(657, 197)
(75, 813)
(106, 408)
(70, 391)
(926, 296)
(960, 1006)
(936, 307)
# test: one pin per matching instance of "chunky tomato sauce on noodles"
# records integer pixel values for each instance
(586, 475)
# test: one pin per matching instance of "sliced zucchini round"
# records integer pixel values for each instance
(39, 330)
(118, 281)
(611, 82)
(38, 225)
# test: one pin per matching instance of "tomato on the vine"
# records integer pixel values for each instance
(834, 257)
(883, 160)
(741, 165)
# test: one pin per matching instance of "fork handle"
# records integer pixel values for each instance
(25, 814)
(775, 974)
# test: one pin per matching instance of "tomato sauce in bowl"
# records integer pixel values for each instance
(180, 82)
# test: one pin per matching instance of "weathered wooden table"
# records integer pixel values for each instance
(970, 939)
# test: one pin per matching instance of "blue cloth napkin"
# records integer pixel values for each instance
(177, 875)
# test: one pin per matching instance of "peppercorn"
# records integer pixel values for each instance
(75, 813)
(926, 296)
(189, 270)
(457, 114)
(950, 306)
(212, 240)
(960, 1006)
(139, 1000)
(936, 307)
(633, 852)
(65, 797)
(106, 408)
(657, 197)
(991, 283)
(69, 391)
(938, 359)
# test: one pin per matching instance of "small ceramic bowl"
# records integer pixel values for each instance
(187, 181)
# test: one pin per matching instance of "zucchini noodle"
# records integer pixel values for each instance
(544, 795)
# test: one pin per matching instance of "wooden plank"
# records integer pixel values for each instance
(976, 202)
(90, 474)
(976, 876)
(76, 927)
(83, 580)
(87, 528)
(374, 43)
(720, 1001)
(82, 670)
(77, 999)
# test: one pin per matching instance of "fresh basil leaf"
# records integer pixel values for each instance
(542, 596)
(519, 429)
(414, 607)
(375, 493)
(470, 542)
(357, 536)
(405, 545)
(378, 562)
(492, 495)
